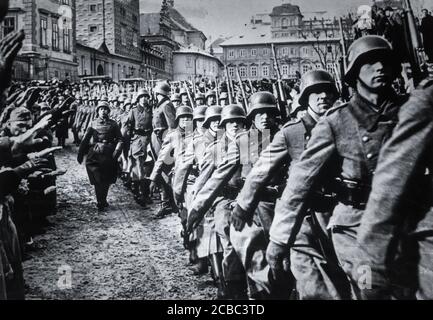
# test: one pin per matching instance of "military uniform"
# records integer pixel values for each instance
(346, 144)
(101, 164)
(399, 211)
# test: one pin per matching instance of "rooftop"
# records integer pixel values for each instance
(286, 9)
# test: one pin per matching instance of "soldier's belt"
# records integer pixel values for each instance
(230, 192)
(271, 193)
(142, 132)
(322, 202)
(353, 194)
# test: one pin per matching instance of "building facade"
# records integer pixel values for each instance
(108, 36)
(300, 45)
(49, 49)
(168, 31)
(191, 64)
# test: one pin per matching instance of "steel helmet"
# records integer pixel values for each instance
(315, 80)
(224, 95)
(183, 111)
(210, 93)
(175, 97)
(163, 88)
(183, 92)
(103, 104)
(199, 113)
(232, 112)
(199, 96)
(212, 113)
(364, 48)
(262, 101)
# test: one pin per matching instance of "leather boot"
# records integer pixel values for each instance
(237, 290)
(200, 268)
(165, 209)
(216, 264)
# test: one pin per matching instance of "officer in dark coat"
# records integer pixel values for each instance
(102, 154)
(345, 144)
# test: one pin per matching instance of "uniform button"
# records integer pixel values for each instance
(369, 156)
(365, 138)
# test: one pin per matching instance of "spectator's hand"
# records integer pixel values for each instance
(33, 165)
(9, 48)
(24, 143)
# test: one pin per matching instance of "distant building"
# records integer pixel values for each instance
(108, 39)
(169, 31)
(190, 64)
(300, 45)
(49, 49)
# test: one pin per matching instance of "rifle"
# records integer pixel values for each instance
(217, 91)
(251, 86)
(229, 89)
(189, 95)
(344, 90)
(282, 100)
(241, 85)
(414, 43)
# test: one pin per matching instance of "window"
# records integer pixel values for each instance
(231, 72)
(285, 51)
(305, 51)
(284, 23)
(253, 71)
(66, 2)
(67, 40)
(83, 61)
(93, 8)
(123, 35)
(243, 72)
(318, 66)
(8, 25)
(253, 52)
(55, 38)
(265, 71)
(135, 39)
(231, 53)
(265, 51)
(242, 53)
(188, 62)
(330, 68)
(305, 68)
(285, 69)
(292, 51)
(329, 49)
(44, 31)
(93, 29)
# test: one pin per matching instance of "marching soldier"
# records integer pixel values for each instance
(172, 151)
(318, 94)
(164, 118)
(184, 100)
(175, 99)
(399, 209)
(102, 154)
(210, 98)
(139, 125)
(224, 99)
(227, 180)
(345, 144)
(199, 99)
(202, 242)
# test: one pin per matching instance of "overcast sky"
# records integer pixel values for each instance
(224, 17)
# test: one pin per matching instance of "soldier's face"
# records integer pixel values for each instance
(223, 102)
(199, 102)
(375, 75)
(264, 121)
(233, 127)
(199, 124)
(320, 102)
(211, 101)
(177, 104)
(184, 99)
(185, 122)
(103, 113)
(143, 100)
(214, 125)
